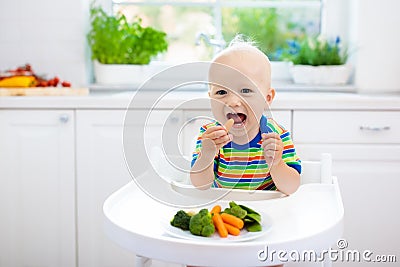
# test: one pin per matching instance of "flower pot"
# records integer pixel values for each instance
(126, 74)
(321, 75)
(280, 71)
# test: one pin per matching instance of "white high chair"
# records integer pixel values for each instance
(312, 172)
(317, 171)
(321, 227)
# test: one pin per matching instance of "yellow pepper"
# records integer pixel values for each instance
(18, 81)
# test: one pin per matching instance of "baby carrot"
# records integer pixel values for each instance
(219, 224)
(232, 230)
(216, 209)
(228, 125)
(232, 220)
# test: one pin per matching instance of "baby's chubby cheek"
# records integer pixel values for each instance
(257, 104)
(218, 109)
(254, 112)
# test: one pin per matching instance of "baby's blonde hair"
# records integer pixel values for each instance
(242, 40)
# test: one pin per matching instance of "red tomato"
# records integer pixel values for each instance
(66, 84)
(51, 83)
(43, 84)
(56, 81)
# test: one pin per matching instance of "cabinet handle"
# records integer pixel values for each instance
(374, 129)
(64, 118)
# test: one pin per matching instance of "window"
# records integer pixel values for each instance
(269, 23)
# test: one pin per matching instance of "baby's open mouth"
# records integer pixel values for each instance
(238, 118)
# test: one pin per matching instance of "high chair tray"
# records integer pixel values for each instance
(310, 219)
(225, 194)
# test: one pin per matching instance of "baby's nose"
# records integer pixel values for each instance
(234, 100)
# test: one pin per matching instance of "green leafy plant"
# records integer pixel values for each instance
(113, 40)
(316, 51)
(269, 28)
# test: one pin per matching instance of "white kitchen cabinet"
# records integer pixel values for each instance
(37, 188)
(54, 166)
(365, 147)
(101, 170)
(283, 117)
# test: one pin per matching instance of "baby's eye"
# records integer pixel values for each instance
(246, 90)
(221, 92)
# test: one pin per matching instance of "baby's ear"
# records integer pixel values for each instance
(270, 95)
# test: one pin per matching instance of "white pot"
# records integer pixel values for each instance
(321, 75)
(280, 71)
(126, 74)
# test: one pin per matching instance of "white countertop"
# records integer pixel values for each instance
(283, 100)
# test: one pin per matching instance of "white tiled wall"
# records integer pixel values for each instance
(375, 31)
(50, 35)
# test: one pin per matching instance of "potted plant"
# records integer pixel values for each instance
(122, 51)
(315, 60)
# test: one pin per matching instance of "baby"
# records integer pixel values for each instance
(256, 153)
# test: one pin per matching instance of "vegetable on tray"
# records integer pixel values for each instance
(201, 224)
(219, 225)
(181, 220)
(232, 220)
(251, 218)
(227, 222)
(232, 230)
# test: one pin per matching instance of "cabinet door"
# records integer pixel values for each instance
(37, 200)
(283, 117)
(370, 196)
(365, 148)
(101, 170)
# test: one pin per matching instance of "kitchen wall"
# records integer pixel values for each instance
(374, 32)
(50, 35)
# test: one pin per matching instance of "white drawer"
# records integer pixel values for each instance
(283, 117)
(355, 127)
(350, 153)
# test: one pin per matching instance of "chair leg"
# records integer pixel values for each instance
(142, 261)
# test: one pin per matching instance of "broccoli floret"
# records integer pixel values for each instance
(181, 220)
(201, 224)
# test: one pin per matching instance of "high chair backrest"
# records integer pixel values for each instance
(317, 171)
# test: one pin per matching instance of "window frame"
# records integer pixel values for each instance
(218, 5)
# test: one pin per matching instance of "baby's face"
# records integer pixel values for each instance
(239, 89)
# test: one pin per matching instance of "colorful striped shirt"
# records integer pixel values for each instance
(244, 166)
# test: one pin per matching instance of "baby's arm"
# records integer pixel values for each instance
(202, 173)
(286, 178)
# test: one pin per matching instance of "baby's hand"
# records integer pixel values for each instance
(216, 137)
(273, 148)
